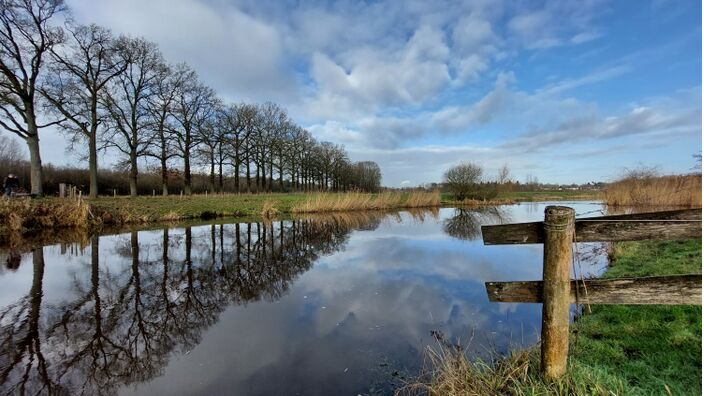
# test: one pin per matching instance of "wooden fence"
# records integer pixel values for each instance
(556, 291)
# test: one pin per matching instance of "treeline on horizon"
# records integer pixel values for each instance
(117, 93)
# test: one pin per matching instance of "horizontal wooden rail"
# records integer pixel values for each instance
(679, 224)
(667, 290)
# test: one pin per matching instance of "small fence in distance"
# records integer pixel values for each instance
(556, 291)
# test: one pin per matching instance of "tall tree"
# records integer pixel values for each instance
(26, 37)
(192, 107)
(160, 105)
(81, 72)
(238, 120)
(211, 135)
(127, 103)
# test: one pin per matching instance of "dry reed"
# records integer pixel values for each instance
(21, 214)
(352, 201)
(269, 210)
(671, 191)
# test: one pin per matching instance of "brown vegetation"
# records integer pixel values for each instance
(19, 214)
(647, 189)
(353, 201)
(269, 210)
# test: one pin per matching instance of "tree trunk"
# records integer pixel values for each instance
(212, 173)
(35, 163)
(93, 163)
(133, 174)
(187, 169)
(249, 177)
(237, 174)
(164, 176)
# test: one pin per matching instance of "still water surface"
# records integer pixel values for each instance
(316, 306)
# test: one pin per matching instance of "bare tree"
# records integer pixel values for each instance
(461, 179)
(211, 137)
(192, 107)
(238, 121)
(504, 175)
(26, 36)
(127, 103)
(81, 73)
(160, 106)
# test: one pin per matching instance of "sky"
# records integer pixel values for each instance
(565, 91)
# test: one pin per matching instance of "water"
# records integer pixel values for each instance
(316, 306)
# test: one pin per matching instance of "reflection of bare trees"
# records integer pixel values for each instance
(466, 223)
(124, 321)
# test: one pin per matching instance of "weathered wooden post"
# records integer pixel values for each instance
(62, 190)
(557, 261)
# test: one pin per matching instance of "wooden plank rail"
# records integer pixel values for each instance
(557, 234)
(670, 225)
(666, 290)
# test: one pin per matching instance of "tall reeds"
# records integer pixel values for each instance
(19, 214)
(650, 190)
(352, 201)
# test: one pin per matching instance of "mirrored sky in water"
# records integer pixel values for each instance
(333, 304)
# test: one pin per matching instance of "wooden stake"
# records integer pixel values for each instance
(557, 261)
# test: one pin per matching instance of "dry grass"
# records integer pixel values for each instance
(171, 216)
(269, 211)
(353, 201)
(649, 190)
(19, 214)
(451, 373)
(423, 199)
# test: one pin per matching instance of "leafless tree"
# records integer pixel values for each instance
(461, 179)
(160, 106)
(26, 37)
(81, 71)
(127, 102)
(192, 107)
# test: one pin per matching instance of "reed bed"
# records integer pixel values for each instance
(671, 191)
(19, 214)
(353, 201)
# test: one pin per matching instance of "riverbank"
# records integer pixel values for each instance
(618, 349)
(27, 215)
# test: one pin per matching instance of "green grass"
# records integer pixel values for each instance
(558, 195)
(615, 350)
(636, 349)
(650, 349)
(194, 206)
(528, 196)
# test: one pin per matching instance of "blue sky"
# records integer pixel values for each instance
(567, 91)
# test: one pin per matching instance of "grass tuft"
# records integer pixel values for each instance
(269, 211)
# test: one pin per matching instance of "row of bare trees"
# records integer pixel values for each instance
(108, 92)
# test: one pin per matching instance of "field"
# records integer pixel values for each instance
(614, 350)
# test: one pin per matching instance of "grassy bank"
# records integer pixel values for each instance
(31, 215)
(619, 349)
(509, 197)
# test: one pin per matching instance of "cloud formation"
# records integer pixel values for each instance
(443, 81)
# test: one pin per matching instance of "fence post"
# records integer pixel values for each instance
(557, 261)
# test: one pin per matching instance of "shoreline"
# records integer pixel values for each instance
(26, 215)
